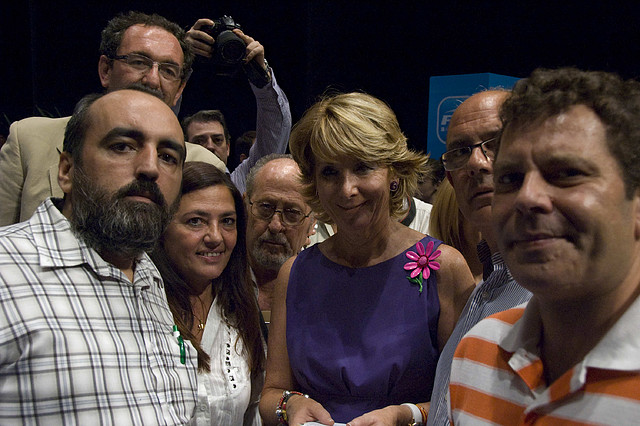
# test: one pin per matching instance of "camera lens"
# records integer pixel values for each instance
(231, 48)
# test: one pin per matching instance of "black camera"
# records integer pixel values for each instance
(229, 49)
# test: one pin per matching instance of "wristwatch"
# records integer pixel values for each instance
(257, 75)
(267, 68)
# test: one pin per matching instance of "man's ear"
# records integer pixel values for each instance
(65, 172)
(179, 93)
(311, 231)
(245, 199)
(105, 66)
(312, 226)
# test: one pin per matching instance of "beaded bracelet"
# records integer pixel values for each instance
(424, 414)
(281, 409)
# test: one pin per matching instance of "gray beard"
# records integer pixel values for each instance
(267, 260)
(109, 223)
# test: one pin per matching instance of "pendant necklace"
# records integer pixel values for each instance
(201, 323)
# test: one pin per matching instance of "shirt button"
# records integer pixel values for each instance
(485, 295)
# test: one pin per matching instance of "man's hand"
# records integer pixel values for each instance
(255, 50)
(203, 44)
(200, 41)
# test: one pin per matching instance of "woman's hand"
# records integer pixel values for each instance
(301, 410)
(388, 416)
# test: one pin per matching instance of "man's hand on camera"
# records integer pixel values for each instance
(255, 50)
(200, 41)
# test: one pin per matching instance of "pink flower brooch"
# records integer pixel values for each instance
(423, 263)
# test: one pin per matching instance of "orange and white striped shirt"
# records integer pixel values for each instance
(497, 375)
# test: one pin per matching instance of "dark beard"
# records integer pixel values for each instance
(109, 223)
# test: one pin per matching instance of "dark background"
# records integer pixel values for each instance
(49, 50)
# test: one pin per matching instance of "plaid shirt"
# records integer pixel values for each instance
(79, 343)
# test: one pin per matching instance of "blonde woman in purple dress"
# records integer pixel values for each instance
(359, 319)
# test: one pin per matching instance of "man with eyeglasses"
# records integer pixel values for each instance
(135, 48)
(150, 51)
(468, 163)
(279, 221)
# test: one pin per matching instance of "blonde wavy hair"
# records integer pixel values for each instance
(359, 126)
(446, 222)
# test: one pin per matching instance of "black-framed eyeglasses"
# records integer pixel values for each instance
(458, 158)
(143, 64)
(265, 211)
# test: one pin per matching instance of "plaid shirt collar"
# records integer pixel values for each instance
(59, 247)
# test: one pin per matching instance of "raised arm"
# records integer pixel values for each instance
(273, 118)
(273, 115)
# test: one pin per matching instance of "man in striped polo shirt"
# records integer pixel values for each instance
(566, 214)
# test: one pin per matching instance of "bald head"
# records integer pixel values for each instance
(479, 113)
(139, 111)
(101, 106)
(128, 131)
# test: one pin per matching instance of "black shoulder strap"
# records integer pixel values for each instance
(412, 213)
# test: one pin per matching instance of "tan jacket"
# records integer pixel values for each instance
(29, 165)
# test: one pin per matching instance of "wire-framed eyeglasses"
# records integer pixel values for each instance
(458, 158)
(143, 64)
(265, 211)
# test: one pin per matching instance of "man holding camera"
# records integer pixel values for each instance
(273, 122)
(135, 48)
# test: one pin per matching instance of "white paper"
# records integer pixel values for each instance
(322, 424)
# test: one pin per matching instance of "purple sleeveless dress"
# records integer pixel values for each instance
(361, 339)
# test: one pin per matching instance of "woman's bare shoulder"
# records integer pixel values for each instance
(454, 269)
